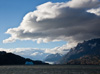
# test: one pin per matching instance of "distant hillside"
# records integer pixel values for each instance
(86, 60)
(12, 59)
(90, 47)
(53, 57)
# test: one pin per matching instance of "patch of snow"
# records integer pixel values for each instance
(92, 45)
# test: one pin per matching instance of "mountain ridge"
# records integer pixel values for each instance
(90, 47)
(53, 57)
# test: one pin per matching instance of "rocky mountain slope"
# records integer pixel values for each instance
(53, 57)
(86, 60)
(90, 47)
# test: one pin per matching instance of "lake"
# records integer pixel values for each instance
(51, 69)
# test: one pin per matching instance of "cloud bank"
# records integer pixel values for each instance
(35, 53)
(75, 20)
(32, 53)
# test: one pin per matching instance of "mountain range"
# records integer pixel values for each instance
(53, 57)
(87, 52)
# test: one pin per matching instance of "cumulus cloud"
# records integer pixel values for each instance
(36, 53)
(68, 21)
(63, 49)
(95, 11)
(83, 3)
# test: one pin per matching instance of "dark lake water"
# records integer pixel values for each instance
(51, 69)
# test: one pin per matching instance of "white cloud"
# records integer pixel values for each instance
(95, 11)
(40, 54)
(67, 21)
(36, 53)
(83, 3)
(63, 49)
(33, 53)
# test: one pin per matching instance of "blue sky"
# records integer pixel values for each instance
(11, 15)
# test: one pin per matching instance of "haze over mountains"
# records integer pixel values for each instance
(53, 57)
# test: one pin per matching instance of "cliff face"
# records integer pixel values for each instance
(90, 47)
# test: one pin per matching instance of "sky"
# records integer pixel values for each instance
(37, 28)
(12, 13)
